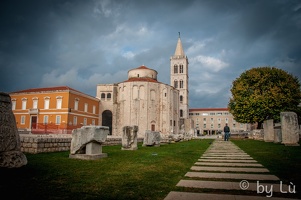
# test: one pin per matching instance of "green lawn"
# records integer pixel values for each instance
(282, 161)
(147, 173)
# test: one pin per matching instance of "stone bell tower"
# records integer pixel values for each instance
(179, 79)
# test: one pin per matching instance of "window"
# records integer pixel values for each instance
(94, 109)
(181, 68)
(13, 104)
(85, 121)
(181, 113)
(58, 119)
(59, 102)
(103, 96)
(212, 113)
(181, 98)
(176, 84)
(204, 125)
(24, 102)
(219, 125)
(45, 121)
(204, 120)
(205, 114)
(211, 126)
(211, 120)
(74, 120)
(23, 119)
(181, 84)
(35, 103)
(219, 120)
(226, 120)
(109, 96)
(86, 107)
(93, 121)
(76, 104)
(175, 69)
(46, 102)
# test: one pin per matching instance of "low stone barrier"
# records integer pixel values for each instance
(55, 142)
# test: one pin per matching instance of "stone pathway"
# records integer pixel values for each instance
(223, 172)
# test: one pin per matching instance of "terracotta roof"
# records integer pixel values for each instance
(208, 109)
(46, 89)
(145, 79)
(142, 67)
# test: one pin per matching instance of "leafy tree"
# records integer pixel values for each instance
(262, 93)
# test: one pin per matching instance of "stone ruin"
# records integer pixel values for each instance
(289, 128)
(151, 138)
(129, 138)
(10, 146)
(286, 132)
(87, 142)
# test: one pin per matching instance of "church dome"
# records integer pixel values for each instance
(142, 73)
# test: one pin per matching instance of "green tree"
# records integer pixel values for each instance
(262, 93)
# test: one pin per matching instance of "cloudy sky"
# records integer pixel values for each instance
(82, 43)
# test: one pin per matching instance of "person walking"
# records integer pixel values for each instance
(227, 132)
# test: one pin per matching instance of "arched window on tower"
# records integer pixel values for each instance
(181, 84)
(181, 98)
(181, 113)
(175, 83)
(175, 69)
(181, 69)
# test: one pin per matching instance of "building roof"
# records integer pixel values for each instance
(144, 79)
(49, 89)
(208, 109)
(179, 49)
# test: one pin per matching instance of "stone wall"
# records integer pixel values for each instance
(55, 142)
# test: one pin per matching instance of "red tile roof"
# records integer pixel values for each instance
(45, 89)
(142, 67)
(145, 79)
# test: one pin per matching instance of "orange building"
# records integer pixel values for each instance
(55, 109)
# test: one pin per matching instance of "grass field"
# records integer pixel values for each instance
(147, 173)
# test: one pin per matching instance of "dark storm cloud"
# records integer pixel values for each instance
(83, 43)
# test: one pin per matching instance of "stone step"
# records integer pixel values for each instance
(232, 157)
(232, 176)
(228, 164)
(228, 161)
(229, 169)
(277, 187)
(199, 196)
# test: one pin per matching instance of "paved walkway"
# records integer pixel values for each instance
(224, 171)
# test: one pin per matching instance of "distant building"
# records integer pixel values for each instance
(47, 109)
(212, 120)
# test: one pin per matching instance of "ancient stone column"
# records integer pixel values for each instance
(268, 130)
(87, 142)
(289, 128)
(129, 138)
(10, 147)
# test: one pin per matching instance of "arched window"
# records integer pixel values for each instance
(181, 113)
(181, 84)
(181, 69)
(181, 98)
(176, 84)
(109, 96)
(103, 96)
(175, 69)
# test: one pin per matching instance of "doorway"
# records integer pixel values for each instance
(34, 120)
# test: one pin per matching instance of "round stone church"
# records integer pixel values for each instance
(142, 101)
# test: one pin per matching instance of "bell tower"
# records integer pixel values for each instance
(179, 79)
